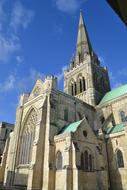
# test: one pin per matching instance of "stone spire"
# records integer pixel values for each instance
(83, 43)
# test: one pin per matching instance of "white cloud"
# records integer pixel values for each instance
(20, 17)
(69, 6)
(61, 75)
(8, 84)
(11, 20)
(8, 45)
(20, 84)
(19, 59)
(26, 82)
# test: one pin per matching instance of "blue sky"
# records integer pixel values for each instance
(37, 38)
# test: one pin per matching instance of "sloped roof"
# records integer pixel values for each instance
(71, 127)
(83, 37)
(113, 94)
(115, 129)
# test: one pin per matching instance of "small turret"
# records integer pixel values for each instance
(23, 99)
(51, 82)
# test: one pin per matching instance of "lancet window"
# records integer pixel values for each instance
(119, 159)
(59, 160)
(123, 116)
(82, 84)
(87, 161)
(73, 88)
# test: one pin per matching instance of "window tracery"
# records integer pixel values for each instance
(27, 138)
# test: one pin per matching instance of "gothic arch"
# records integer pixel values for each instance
(71, 80)
(73, 87)
(59, 160)
(88, 149)
(119, 158)
(123, 116)
(81, 83)
(79, 76)
(26, 116)
(27, 136)
(87, 160)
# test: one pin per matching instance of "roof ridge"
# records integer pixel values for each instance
(71, 127)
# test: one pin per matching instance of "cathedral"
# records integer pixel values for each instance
(71, 140)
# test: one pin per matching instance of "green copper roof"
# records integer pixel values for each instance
(71, 128)
(115, 129)
(115, 93)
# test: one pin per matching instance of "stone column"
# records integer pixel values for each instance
(75, 170)
(68, 164)
(45, 178)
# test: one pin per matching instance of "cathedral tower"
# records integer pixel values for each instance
(86, 78)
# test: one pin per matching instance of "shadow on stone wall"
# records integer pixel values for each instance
(15, 179)
(115, 178)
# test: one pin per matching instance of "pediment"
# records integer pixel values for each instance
(37, 89)
(85, 127)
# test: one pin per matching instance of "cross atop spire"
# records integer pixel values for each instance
(83, 42)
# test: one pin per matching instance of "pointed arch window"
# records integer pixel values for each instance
(90, 162)
(80, 85)
(82, 161)
(59, 160)
(72, 90)
(75, 88)
(87, 161)
(84, 84)
(27, 138)
(123, 116)
(119, 158)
